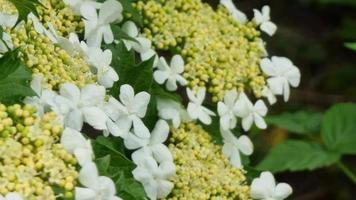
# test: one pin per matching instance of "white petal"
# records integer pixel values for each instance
(204, 117)
(93, 95)
(106, 186)
(140, 103)
(130, 29)
(134, 142)
(260, 108)
(126, 94)
(286, 91)
(268, 67)
(193, 110)
(160, 132)
(143, 45)
(269, 27)
(72, 139)
(260, 122)
(276, 85)
(160, 76)
(282, 191)
(245, 145)
(140, 129)
(83, 156)
(88, 176)
(84, 194)
(177, 64)
(161, 153)
(110, 11)
(114, 128)
(75, 120)
(247, 122)
(95, 117)
(70, 91)
(164, 188)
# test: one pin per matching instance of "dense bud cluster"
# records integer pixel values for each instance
(45, 58)
(221, 53)
(32, 161)
(60, 16)
(202, 171)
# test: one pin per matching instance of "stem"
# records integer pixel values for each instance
(347, 171)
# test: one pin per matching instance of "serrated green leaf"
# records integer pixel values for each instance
(339, 128)
(294, 155)
(25, 7)
(351, 46)
(103, 163)
(301, 122)
(14, 79)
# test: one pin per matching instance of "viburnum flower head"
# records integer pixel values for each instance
(282, 73)
(265, 188)
(75, 143)
(129, 111)
(95, 187)
(139, 44)
(82, 105)
(97, 26)
(235, 13)
(227, 112)
(11, 196)
(251, 113)
(171, 74)
(263, 19)
(154, 177)
(234, 146)
(154, 146)
(195, 108)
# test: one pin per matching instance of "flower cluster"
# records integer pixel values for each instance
(202, 170)
(32, 160)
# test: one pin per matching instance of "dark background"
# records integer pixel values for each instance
(312, 34)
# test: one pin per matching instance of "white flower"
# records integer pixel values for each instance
(129, 111)
(97, 26)
(171, 110)
(79, 6)
(75, 143)
(251, 113)
(8, 20)
(226, 110)
(11, 196)
(233, 146)
(101, 61)
(266, 92)
(236, 14)
(154, 145)
(95, 187)
(83, 105)
(44, 100)
(141, 45)
(154, 177)
(265, 188)
(170, 74)
(282, 73)
(195, 108)
(263, 19)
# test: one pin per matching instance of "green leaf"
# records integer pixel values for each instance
(112, 162)
(14, 79)
(25, 7)
(351, 46)
(214, 130)
(339, 128)
(301, 122)
(294, 155)
(119, 34)
(139, 76)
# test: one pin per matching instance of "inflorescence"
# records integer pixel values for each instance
(221, 53)
(202, 170)
(32, 162)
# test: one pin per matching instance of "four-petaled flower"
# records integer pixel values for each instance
(154, 177)
(171, 110)
(263, 20)
(170, 74)
(226, 110)
(195, 108)
(129, 112)
(265, 188)
(251, 113)
(97, 27)
(282, 73)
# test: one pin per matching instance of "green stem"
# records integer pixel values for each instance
(347, 172)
